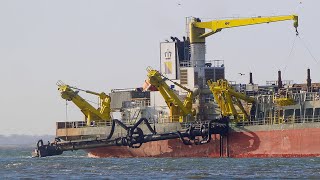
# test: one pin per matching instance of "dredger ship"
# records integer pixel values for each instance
(188, 109)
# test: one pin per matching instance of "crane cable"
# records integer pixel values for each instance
(291, 51)
(91, 101)
(67, 106)
(297, 9)
(305, 45)
(292, 48)
(303, 42)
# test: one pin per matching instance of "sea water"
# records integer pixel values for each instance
(16, 163)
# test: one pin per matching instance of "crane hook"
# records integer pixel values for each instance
(297, 33)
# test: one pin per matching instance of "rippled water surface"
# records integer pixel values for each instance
(17, 163)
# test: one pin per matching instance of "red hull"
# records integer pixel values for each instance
(276, 143)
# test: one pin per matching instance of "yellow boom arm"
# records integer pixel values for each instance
(178, 110)
(226, 97)
(197, 28)
(91, 113)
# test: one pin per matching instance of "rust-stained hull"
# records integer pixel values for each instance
(303, 142)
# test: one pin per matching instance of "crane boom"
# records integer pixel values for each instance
(226, 97)
(178, 110)
(91, 113)
(197, 28)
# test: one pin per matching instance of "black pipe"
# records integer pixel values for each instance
(153, 131)
(279, 80)
(308, 80)
(250, 80)
(220, 146)
(135, 138)
(227, 146)
(185, 142)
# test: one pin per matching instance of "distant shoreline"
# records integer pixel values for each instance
(22, 140)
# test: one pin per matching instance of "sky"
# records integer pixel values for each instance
(101, 45)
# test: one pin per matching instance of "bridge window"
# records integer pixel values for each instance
(288, 112)
(309, 112)
(297, 112)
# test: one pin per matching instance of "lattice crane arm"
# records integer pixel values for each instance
(91, 113)
(177, 107)
(227, 97)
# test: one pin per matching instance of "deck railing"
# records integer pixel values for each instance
(202, 63)
(288, 120)
(82, 124)
(186, 123)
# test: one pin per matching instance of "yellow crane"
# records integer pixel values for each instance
(100, 114)
(227, 97)
(224, 94)
(179, 111)
(197, 29)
